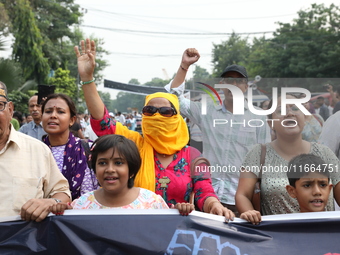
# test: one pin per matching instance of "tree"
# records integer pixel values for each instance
(157, 82)
(233, 51)
(27, 49)
(4, 21)
(106, 98)
(306, 48)
(55, 19)
(65, 84)
(70, 61)
(125, 101)
(134, 81)
(10, 74)
(20, 100)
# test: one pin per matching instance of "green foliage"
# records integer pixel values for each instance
(55, 24)
(233, 51)
(305, 48)
(106, 98)
(65, 84)
(27, 48)
(134, 81)
(126, 102)
(157, 82)
(54, 20)
(70, 61)
(4, 21)
(20, 101)
(10, 74)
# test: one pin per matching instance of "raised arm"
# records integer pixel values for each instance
(189, 57)
(86, 58)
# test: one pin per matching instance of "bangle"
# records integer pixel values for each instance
(184, 68)
(87, 82)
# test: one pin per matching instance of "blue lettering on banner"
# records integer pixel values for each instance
(187, 242)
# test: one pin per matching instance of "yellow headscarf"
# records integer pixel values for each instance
(165, 135)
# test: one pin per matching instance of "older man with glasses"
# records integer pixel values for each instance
(30, 182)
(225, 145)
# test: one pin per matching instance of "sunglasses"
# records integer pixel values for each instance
(164, 111)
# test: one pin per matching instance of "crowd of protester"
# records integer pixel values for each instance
(100, 160)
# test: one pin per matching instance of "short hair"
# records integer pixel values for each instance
(320, 98)
(304, 164)
(66, 98)
(126, 149)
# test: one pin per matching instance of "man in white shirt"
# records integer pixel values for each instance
(224, 145)
(30, 182)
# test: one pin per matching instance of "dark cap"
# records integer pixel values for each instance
(235, 68)
(3, 90)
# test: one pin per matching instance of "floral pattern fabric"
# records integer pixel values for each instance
(145, 200)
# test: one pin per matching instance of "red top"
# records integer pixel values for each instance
(178, 183)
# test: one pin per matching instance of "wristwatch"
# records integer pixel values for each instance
(56, 199)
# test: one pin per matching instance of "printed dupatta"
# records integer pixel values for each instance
(74, 164)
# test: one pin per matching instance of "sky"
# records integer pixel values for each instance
(146, 39)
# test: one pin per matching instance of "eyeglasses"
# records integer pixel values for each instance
(2, 106)
(293, 108)
(164, 111)
(232, 80)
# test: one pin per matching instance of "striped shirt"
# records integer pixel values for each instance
(227, 138)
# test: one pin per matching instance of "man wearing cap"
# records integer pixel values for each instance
(224, 145)
(30, 182)
(34, 128)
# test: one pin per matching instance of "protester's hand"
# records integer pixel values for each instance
(189, 57)
(42, 100)
(86, 59)
(218, 209)
(184, 208)
(252, 216)
(36, 209)
(58, 209)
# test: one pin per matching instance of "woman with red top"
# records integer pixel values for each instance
(166, 158)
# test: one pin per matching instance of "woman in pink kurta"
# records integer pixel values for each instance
(166, 158)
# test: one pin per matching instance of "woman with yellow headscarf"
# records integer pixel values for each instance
(163, 146)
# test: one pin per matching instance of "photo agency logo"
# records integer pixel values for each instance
(238, 101)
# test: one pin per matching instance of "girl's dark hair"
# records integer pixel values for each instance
(66, 98)
(126, 149)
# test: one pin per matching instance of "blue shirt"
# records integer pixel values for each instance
(33, 130)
